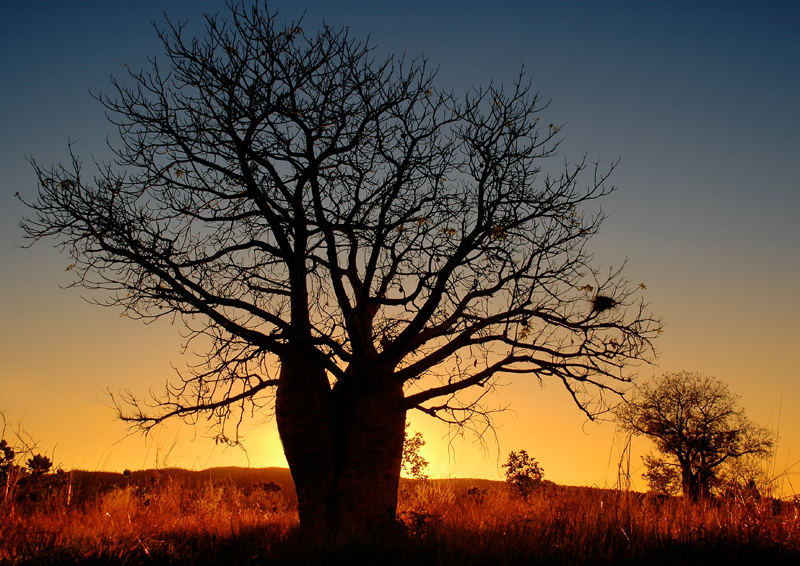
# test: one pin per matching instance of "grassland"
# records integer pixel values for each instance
(230, 516)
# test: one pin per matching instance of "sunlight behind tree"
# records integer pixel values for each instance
(347, 241)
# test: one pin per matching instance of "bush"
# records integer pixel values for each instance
(663, 478)
(523, 473)
(39, 464)
(413, 463)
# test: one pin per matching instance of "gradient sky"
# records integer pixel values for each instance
(699, 100)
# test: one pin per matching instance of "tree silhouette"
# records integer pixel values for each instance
(39, 464)
(413, 463)
(523, 473)
(662, 475)
(347, 240)
(695, 422)
(7, 455)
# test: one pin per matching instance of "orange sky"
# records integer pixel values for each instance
(64, 355)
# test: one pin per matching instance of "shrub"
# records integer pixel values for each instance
(39, 464)
(413, 463)
(523, 473)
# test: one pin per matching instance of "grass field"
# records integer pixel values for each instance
(233, 516)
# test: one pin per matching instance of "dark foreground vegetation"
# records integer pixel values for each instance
(230, 516)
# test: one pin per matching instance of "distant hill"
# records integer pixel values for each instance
(458, 484)
(87, 483)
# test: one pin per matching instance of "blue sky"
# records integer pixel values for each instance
(698, 100)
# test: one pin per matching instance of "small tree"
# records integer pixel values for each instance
(39, 464)
(413, 463)
(7, 454)
(662, 476)
(523, 473)
(697, 425)
(746, 477)
(12, 473)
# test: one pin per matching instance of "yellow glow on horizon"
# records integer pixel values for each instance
(60, 356)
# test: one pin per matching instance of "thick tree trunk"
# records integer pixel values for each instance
(303, 413)
(693, 487)
(370, 426)
(344, 447)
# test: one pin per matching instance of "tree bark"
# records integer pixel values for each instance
(344, 447)
(303, 414)
(693, 485)
(370, 426)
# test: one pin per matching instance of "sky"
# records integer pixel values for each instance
(697, 100)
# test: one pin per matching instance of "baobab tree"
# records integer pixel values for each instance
(697, 425)
(348, 240)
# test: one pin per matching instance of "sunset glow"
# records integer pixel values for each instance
(699, 105)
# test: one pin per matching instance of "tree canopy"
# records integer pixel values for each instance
(342, 235)
(695, 421)
(523, 473)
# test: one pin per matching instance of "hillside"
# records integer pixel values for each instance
(88, 483)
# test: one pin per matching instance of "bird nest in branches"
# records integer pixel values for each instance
(601, 303)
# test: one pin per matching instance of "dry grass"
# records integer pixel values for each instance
(562, 525)
(142, 522)
(171, 519)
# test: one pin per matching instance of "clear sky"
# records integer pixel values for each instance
(699, 100)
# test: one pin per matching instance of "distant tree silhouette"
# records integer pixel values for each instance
(9, 471)
(413, 462)
(39, 464)
(348, 240)
(523, 473)
(696, 424)
(662, 475)
(7, 455)
(13, 475)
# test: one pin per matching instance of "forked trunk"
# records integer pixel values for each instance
(344, 447)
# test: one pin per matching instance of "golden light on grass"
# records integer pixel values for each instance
(182, 518)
